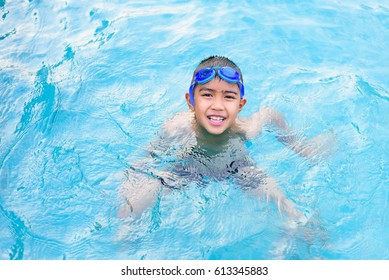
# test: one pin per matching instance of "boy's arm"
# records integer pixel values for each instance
(139, 192)
(142, 183)
(308, 148)
(261, 185)
(144, 180)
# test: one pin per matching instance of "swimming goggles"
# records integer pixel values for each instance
(207, 74)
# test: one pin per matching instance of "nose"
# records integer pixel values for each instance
(217, 103)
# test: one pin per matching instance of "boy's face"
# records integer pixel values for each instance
(217, 104)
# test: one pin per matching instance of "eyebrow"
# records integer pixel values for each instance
(224, 91)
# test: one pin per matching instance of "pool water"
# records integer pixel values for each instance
(84, 87)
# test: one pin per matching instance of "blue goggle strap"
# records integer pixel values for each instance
(191, 95)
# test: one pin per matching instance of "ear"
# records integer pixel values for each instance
(187, 97)
(242, 103)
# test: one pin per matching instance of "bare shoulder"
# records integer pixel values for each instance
(180, 124)
(252, 126)
(270, 114)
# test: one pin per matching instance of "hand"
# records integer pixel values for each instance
(320, 147)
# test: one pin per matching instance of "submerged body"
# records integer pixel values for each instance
(187, 158)
(209, 142)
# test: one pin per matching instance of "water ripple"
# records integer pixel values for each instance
(42, 106)
(86, 86)
(18, 230)
(365, 88)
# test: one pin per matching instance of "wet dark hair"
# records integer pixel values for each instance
(216, 60)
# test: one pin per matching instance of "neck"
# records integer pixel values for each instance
(214, 143)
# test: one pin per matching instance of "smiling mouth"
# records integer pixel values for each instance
(216, 120)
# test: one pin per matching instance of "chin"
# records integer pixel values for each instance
(215, 132)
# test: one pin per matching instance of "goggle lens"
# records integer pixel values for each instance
(229, 73)
(204, 74)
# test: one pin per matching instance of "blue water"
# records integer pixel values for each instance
(85, 86)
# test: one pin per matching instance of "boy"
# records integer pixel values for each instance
(208, 143)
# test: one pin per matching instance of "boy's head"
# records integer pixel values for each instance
(216, 94)
(216, 66)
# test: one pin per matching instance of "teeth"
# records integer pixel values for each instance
(216, 118)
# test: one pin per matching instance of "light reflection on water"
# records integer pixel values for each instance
(85, 87)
